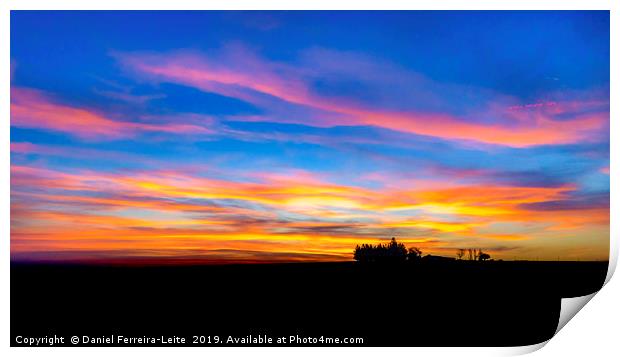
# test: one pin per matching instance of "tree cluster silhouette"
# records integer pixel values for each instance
(398, 252)
(390, 252)
(472, 254)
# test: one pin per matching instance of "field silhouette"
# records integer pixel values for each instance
(434, 302)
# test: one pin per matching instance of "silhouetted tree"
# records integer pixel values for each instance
(483, 256)
(366, 252)
(460, 253)
(414, 254)
(396, 251)
(357, 253)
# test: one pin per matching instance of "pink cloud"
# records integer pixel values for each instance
(239, 73)
(35, 109)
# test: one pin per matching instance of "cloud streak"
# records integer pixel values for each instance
(299, 212)
(241, 74)
(34, 109)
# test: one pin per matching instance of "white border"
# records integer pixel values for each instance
(607, 304)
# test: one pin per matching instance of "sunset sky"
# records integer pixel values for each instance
(289, 136)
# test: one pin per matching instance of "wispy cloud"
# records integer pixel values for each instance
(241, 74)
(34, 109)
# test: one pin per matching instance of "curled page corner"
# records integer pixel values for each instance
(570, 307)
(524, 350)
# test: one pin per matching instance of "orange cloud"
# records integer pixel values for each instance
(167, 211)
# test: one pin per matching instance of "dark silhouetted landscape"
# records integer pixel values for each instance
(427, 303)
